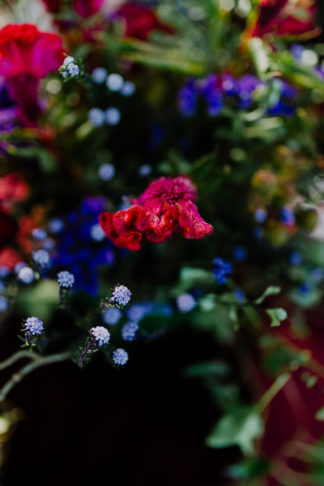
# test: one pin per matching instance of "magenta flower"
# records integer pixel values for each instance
(26, 56)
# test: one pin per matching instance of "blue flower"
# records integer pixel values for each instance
(240, 295)
(129, 331)
(112, 116)
(136, 312)
(65, 279)
(114, 82)
(128, 89)
(56, 226)
(26, 275)
(100, 334)
(41, 258)
(39, 234)
(4, 271)
(106, 172)
(111, 315)
(287, 216)
(121, 295)
(97, 233)
(3, 304)
(77, 251)
(33, 326)
(295, 258)
(221, 269)
(239, 253)
(120, 357)
(185, 302)
(99, 75)
(260, 215)
(96, 117)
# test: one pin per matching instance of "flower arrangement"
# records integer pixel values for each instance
(162, 170)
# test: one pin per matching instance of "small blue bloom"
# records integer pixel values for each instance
(287, 216)
(221, 269)
(260, 215)
(120, 357)
(48, 244)
(65, 279)
(111, 315)
(96, 117)
(97, 233)
(41, 258)
(3, 304)
(136, 312)
(240, 295)
(4, 271)
(19, 266)
(33, 326)
(99, 75)
(129, 331)
(39, 234)
(56, 226)
(144, 170)
(73, 69)
(185, 302)
(121, 295)
(316, 275)
(100, 334)
(112, 116)
(106, 172)
(128, 89)
(114, 82)
(295, 258)
(187, 98)
(239, 253)
(26, 275)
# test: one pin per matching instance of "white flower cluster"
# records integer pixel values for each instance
(69, 68)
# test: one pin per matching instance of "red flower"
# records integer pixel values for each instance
(285, 17)
(12, 189)
(26, 56)
(166, 207)
(53, 6)
(140, 21)
(9, 257)
(86, 8)
(125, 227)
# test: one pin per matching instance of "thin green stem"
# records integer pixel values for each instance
(272, 391)
(18, 356)
(29, 368)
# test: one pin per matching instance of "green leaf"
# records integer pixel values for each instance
(272, 290)
(276, 316)
(320, 414)
(239, 428)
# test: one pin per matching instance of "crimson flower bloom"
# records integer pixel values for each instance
(285, 17)
(166, 207)
(26, 56)
(140, 21)
(13, 189)
(53, 6)
(86, 8)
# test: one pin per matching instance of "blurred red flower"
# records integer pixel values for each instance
(285, 18)
(140, 21)
(12, 189)
(53, 6)
(26, 56)
(166, 207)
(86, 8)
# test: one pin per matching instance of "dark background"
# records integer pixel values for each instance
(143, 425)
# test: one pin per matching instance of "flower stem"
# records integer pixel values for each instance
(29, 368)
